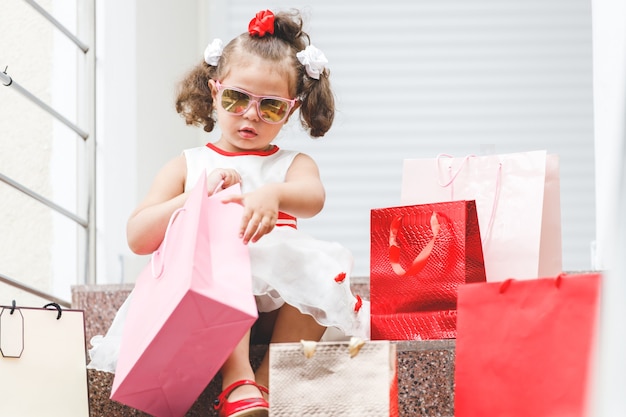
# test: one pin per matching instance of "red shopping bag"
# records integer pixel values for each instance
(191, 305)
(524, 347)
(517, 200)
(419, 256)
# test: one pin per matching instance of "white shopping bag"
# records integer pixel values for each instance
(42, 362)
(517, 200)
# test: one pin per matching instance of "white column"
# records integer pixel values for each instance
(143, 51)
(609, 51)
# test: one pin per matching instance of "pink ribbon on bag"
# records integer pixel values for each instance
(450, 183)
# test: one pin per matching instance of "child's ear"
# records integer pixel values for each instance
(213, 88)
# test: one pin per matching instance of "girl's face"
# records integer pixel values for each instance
(248, 132)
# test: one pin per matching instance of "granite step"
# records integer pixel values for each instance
(425, 368)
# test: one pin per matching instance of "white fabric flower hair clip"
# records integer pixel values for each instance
(314, 61)
(213, 52)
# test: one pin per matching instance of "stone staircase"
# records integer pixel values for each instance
(425, 368)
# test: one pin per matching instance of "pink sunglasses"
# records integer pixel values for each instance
(269, 108)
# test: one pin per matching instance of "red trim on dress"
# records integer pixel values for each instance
(257, 153)
(284, 219)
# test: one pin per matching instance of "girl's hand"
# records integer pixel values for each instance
(229, 176)
(259, 215)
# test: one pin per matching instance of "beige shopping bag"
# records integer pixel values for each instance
(348, 379)
(42, 362)
(517, 201)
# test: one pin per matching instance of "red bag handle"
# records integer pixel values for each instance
(420, 260)
(507, 283)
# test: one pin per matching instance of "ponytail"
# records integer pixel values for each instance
(194, 101)
(317, 110)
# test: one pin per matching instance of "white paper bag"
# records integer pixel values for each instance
(517, 200)
(42, 363)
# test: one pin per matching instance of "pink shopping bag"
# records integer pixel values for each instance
(191, 305)
(517, 201)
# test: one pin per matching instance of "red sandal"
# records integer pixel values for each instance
(249, 407)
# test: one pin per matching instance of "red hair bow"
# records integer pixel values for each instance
(262, 23)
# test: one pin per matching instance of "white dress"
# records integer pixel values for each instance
(288, 265)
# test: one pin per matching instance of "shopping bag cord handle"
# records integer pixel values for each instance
(453, 178)
(494, 207)
(420, 260)
(55, 305)
(161, 249)
(12, 307)
(504, 286)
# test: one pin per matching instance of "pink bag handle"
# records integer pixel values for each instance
(494, 207)
(453, 176)
(420, 260)
(161, 249)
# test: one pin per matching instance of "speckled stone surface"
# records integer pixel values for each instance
(426, 378)
(425, 368)
(100, 303)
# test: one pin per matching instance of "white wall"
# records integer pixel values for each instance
(142, 51)
(26, 226)
(609, 78)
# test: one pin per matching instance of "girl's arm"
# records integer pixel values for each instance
(301, 195)
(146, 226)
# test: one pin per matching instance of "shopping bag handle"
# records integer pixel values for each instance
(161, 249)
(353, 347)
(504, 286)
(420, 260)
(452, 178)
(57, 307)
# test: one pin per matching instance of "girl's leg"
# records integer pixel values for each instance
(236, 368)
(291, 326)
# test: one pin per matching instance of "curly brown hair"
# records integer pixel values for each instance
(317, 104)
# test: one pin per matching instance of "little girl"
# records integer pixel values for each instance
(251, 87)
